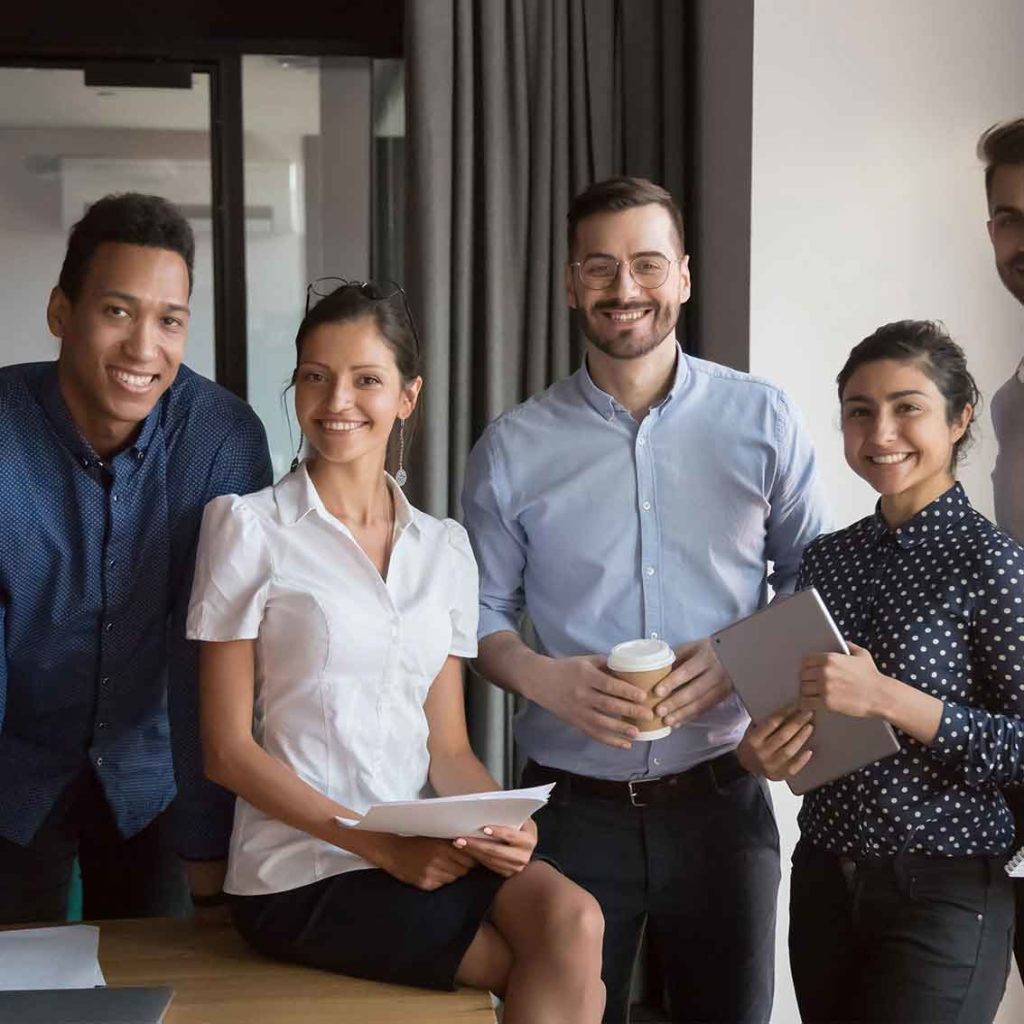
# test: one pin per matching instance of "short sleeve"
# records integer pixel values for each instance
(465, 607)
(232, 575)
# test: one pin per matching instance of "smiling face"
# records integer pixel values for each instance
(122, 340)
(897, 434)
(1006, 225)
(625, 320)
(349, 391)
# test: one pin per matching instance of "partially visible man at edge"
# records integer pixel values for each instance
(644, 496)
(1002, 150)
(107, 458)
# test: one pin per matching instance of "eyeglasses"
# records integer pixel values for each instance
(599, 272)
(375, 291)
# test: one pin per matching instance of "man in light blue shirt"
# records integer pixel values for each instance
(651, 494)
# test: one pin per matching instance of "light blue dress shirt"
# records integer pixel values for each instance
(604, 529)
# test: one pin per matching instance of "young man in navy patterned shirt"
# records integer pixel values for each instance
(107, 457)
(1002, 149)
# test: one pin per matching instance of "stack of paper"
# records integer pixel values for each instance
(63, 957)
(1015, 866)
(448, 817)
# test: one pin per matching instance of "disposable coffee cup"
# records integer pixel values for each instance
(644, 663)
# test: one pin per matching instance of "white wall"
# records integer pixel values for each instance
(868, 206)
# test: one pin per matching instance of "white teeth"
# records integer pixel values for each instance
(889, 460)
(625, 317)
(341, 426)
(134, 380)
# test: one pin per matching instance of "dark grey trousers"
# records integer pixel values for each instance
(914, 939)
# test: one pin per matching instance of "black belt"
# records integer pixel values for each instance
(702, 779)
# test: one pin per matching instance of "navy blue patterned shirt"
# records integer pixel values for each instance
(939, 603)
(96, 561)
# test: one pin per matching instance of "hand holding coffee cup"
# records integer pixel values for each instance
(643, 664)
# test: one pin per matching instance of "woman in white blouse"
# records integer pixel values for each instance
(334, 616)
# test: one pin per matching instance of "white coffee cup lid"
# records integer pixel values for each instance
(640, 656)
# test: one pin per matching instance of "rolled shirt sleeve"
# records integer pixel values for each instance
(799, 510)
(497, 538)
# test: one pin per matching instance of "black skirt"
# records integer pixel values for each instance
(368, 924)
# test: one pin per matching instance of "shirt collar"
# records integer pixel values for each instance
(297, 497)
(608, 406)
(945, 510)
(74, 440)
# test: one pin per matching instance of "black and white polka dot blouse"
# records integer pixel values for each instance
(939, 603)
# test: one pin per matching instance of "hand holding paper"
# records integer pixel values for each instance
(452, 817)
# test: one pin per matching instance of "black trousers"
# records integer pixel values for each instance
(702, 874)
(1015, 798)
(136, 877)
(913, 939)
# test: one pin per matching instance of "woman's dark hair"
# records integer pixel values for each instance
(385, 305)
(929, 346)
(131, 219)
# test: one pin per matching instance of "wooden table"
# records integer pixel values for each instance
(217, 979)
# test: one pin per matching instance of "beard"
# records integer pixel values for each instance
(1011, 273)
(628, 341)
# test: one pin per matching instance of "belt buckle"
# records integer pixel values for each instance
(633, 794)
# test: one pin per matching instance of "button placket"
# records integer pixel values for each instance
(648, 527)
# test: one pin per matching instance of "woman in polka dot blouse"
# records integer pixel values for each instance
(900, 907)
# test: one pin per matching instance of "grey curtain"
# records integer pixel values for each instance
(514, 106)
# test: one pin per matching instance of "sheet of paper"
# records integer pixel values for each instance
(63, 957)
(448, 817)
(1015, 866)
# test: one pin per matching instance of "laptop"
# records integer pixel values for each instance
(762, 655)
(103, 1005)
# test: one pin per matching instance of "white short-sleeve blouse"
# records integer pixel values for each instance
(344, 660)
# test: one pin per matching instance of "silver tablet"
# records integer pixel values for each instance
(762, 655)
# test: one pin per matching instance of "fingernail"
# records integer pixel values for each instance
(488, 831)
(659, 691)
(460, 843)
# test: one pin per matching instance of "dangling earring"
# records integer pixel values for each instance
(400, 475)
(298, 452)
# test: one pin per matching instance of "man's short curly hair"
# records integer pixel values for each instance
(129, 218)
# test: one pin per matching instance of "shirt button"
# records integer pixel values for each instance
(109, 626)
(99, 761)
(654, 634)
(647, 506)
(641, 441)
(105, 682)
(110, 562)
(657, 760)
(139, 454)
(113, 497)
(84, 461)
(650, 570)
(101, 725)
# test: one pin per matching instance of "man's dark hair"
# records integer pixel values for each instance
(1001, 144)
(928, 345)
(131, 219)
(624, 193)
